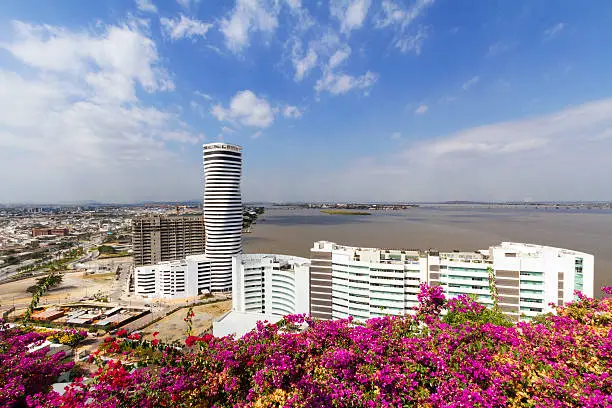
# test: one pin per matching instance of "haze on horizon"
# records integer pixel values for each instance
(349, 100)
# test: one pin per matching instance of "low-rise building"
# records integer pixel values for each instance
(36, 232)
(174, 279)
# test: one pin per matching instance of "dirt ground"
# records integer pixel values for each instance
(75, 286)
(173, 327)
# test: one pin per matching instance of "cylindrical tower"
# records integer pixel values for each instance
(222, 210)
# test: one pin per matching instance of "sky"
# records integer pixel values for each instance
(339, 100)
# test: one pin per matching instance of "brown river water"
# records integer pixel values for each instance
(292, 231)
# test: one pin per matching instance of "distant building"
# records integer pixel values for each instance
(36, 232)
(158, 238)
(174, 279)
(370, 282)
(222, 209)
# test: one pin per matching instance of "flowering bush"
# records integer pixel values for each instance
(23, 372)
(410, 361)
(68, 337)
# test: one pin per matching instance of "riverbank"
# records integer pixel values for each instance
(293, 231)
(345, 212)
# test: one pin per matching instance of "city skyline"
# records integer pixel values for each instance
(371, 101)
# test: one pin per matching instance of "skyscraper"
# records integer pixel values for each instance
(222, 210)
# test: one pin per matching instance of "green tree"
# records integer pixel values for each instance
(43, 287)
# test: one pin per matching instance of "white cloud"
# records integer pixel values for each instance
(303, 64)
(198, 108)
(421, 110)
(187, 4)
(339, 57)
(470, 82)
(146, 5)
(399, 19)
(248, 16)
(74, 115)
(246, 109)
(501, 161)
(350, 13)
(120, 50)
(227, 130)
(342, 83)
(292, 112)
(184, 27)
(204, 95)
(396, 135)
(553, 31)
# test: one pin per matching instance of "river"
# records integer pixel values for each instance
(445, 227)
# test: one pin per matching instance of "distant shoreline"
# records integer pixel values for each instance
(345, 212)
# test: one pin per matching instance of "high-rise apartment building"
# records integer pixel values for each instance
(222, 210)
(158, 238)
(370, 282)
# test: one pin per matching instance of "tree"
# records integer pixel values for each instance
(106, 249)
(43, 287)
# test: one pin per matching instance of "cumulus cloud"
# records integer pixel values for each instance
(470, 82)
(533, 157)
(246, 109)
(303, 64)
(247, 17)
(342, 83)
(292, 112)
(421, 110)
(120, 50)
(399, 19)
(333, 53)
(146, 5)
(339, 57)
(74, 114)
(350, 13)
(184, 27)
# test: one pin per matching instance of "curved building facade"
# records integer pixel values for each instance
(222, 210)
(270, 284)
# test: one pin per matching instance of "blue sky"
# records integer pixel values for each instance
(332, 100)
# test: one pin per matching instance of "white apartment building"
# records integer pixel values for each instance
(274, 284)
(265, 287)
(370, 282)
(188, 277)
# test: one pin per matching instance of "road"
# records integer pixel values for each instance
(11, 270)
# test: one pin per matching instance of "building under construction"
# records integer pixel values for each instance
(159, 238)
